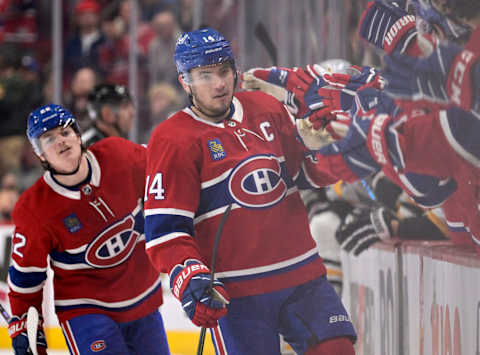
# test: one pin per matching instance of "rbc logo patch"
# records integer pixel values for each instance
(216, 149)
(72, 223)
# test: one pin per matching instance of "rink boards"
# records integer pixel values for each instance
(414, 298)
(404, 298)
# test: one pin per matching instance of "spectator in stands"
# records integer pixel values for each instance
(164, 99)
(8, 196)
(18, 22)
(114, 53)
(186, 15)
(18, 95)
(83, 82)
(82, 48)
(30, 169)
(160, 59)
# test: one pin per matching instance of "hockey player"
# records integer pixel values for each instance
(448, 72)
(85, 214)
(238, 150)
(111, 110)
(402, 41)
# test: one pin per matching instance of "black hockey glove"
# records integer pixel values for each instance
(364, 227)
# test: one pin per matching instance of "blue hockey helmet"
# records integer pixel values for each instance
(201, 48)
(46, 118)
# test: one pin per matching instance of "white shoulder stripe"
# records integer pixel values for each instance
(28, 268)
(165, 238)
(172, 211)
(216, 180)
(63, 266)
(80, 249)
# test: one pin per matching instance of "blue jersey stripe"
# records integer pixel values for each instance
(26, 279)
(68, 258)
(159, 225)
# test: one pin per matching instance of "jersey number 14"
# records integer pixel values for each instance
(155, 188)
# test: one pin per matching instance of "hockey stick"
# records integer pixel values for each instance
(32, 329)
(5, 314)
(263, 36)
(201, 341)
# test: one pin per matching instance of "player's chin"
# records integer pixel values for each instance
(220, 108)
(223, 100)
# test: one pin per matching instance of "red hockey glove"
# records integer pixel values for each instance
(334, 122)
(285, 84)
(358, 77)
(190, 284)
(17, 329)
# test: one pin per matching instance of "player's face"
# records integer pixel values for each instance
(61, 148)
(212, 89)
(125, 117)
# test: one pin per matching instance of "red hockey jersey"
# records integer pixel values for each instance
(252, 160)
(438, 143)
(93, 236)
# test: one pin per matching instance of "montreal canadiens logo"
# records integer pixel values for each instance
(113, 246)
(257, 182)
(98, 345)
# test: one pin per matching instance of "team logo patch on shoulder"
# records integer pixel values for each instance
(72, 223)
(216, 149)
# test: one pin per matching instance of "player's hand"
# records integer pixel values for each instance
(387, 26)
(446, 76)
(364, 227)
(313, 139)
(287, 85)
(17, 329)
(190, 283)
(334, 122)
(356, 78)
(303, 91)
